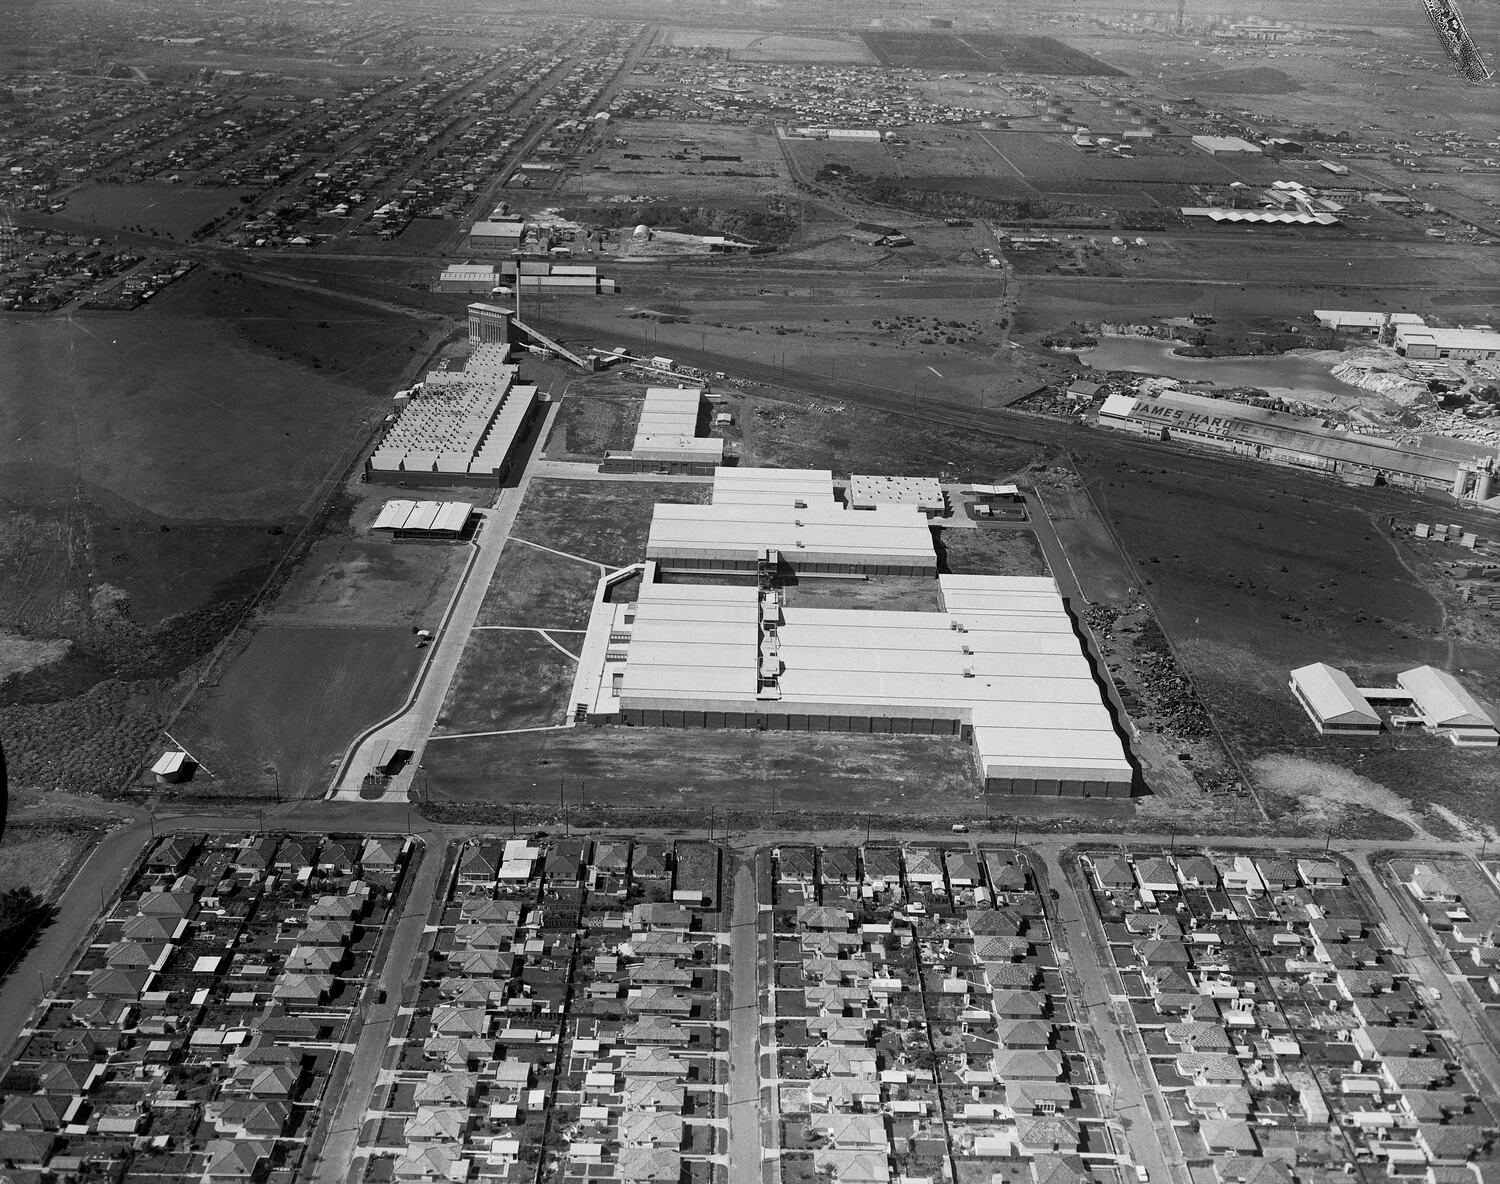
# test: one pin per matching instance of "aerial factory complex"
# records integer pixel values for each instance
(849, 593)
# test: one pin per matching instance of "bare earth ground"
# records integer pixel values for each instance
(602, 521)
(294, 699)
(993, 551)
(41, 858)
(508, 679)
(536, 588)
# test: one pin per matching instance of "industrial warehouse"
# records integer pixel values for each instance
(1000, 665)
(1283, 438)
(457, 427)
(789, 519)
(667, 436)
(1432, 698)
(404, 520)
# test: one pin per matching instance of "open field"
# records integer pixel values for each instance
(672, 769)
(597, 419)
(890, 593)
(992, 551)
(672, 161)
(175, 211)
(602, 521)
(294, 699)
(41, 858)
(752, 45)
(508, 679)
(1251, 579)
(351, 577)
(538, 589)
(983, 51)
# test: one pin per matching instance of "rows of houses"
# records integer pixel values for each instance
(1460, 905)
(567, 1021)
(1283, 1028)
(195, 1034)
(922, 1026)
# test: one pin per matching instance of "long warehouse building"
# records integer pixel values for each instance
(460, 427)
(1281, 438)
(789, 518)
(1001, 666)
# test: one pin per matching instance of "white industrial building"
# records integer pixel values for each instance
(1283, 438)
(925, 493)
(1333, 702)
(1436, 700)
(1422, 341)
(459, 427)
(1000, 666)
(666, 436)
(1226, 146)
(497, 235)
(767, 519)
(404, 519)
(478, 278)
(1355, 321)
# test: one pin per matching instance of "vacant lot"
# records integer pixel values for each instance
(647, 769)
(984, 51)
(682, 160)
(538, 589)
(894, 593)
(992, 551)
(174, 211)
(508, 679)
(294, 699)
(41, 858)
(602, 521)
(750, 45)
(596, 420)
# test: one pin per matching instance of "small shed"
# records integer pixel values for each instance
(173, 766)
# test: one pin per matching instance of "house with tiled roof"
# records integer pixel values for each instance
(438, 1124)
(250, 1118)
(430, 1161)
(640, 1129)
(1028, 1064)
(1242, 1169)
(648, 1165)
(1055, 1133)
(380, 854)
(1059, 1169)
(1111, 872)
(1019, 1005)
(236, 1159)
(1014, 1034)
(446, 1089)
(1208, 1068)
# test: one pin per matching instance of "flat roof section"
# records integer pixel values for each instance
(783, 487)
(819, 532)
(923, 492)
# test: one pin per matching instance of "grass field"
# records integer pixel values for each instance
(998, 551)
(508, 679)
(294, 699)
(597, 420)
(670, 769)
(602, 521)
(538, 589)
(41, 858)
(668, 161)
(750, 45)
(174, 211)
(983, 51)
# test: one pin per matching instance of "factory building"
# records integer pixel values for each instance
(1333, 702)
(1421, 341)
(500, 235)
(667, 436)
(1281, 438)
(459, 427)
(1371, 323)
(1436, 700)
(1000, 666)
(489, 324)
(476, 278)
(774, 519)
(1226, 147)
(865, 493)
(403, 519)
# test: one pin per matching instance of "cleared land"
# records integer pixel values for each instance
(603, 521)
(678, 160)
(538, 589)
(294, 699)
(507, 679)
(670, 770)
(983, 51)
(174, 211)
(993, 551)
(41, 858)
(594, 421)
(751, 45)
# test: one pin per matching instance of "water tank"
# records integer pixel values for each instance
(641, 233)
(1484, 485)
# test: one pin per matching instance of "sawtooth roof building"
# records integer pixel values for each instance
(1001, 666)
(774, 519)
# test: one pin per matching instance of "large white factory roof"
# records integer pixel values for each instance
(783, 487)
(1481, 339)
(1442, 699)
(1002, 657)
(1333, 696)
(1354, 318)
(816, 532)
(459, 422)
(424, 516)
(668, 427)
(1226, 144)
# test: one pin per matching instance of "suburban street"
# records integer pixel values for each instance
(744, 1030)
